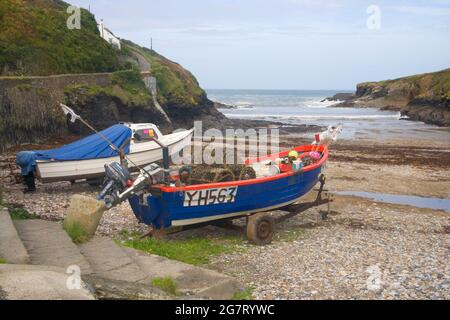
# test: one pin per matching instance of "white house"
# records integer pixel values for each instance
(106, 34)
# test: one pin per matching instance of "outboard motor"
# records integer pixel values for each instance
(118, 185)
(117, 178)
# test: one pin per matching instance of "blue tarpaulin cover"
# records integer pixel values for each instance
(91, 147)
(27, 161)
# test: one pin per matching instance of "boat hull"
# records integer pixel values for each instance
(141, 155)
(222, 201)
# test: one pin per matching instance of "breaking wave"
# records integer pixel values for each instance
(314, 117)
(244, 105)
(318, 104)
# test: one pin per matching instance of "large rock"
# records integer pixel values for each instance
(85, 212)
(27, 282)
(11, 247)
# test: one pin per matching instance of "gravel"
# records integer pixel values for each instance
(334, 259)
(364, 251)
(51, 201)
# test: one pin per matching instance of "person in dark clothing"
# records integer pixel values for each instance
(29, 182)
(27, 162)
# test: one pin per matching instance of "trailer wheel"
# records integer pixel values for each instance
(260, 228)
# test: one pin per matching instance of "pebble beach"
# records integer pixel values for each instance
(364, 250)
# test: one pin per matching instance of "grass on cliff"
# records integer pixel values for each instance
(195, 251)
(176, 85)
(35, 40)
(125, 85)
(131, 85)
(2, 261)
(427, 85)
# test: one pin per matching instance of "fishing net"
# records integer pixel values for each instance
(216, 173)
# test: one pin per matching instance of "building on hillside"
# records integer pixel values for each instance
(107, 35)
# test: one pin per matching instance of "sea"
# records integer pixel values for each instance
(307, 107)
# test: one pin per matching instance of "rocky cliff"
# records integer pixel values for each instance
(29, 106)
(424, 97)
(43, 63)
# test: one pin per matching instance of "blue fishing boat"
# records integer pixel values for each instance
(276, 182)
(165, 198)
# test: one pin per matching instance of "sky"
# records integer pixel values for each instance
(287, 44)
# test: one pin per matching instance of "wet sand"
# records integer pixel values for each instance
(419, 167)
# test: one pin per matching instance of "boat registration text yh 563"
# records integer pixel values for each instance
(209, 196)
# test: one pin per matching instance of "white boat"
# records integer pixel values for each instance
(140, 153)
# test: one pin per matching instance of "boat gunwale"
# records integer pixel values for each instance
(305, 148)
